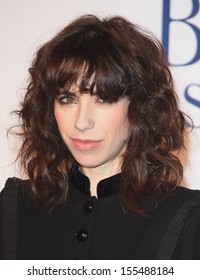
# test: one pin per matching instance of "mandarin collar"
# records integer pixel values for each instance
(106, 187)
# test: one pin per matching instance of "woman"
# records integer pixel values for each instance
(101, 127)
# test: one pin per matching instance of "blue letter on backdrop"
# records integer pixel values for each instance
(192, 100)
(166, 29)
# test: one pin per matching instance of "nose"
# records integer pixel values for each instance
(84, 117)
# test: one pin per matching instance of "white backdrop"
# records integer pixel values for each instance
(25, 24)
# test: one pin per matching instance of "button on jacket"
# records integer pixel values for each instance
(89, 228)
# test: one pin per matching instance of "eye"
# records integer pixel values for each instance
(66, 99)
(101, 101)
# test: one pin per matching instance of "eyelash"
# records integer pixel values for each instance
(72, 100)
(62, 98)
(101, 101)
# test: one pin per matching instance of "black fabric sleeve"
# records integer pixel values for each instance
(1, 229)
(188, 246)
(8, 219)
(177, 228)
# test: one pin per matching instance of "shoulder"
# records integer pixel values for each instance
(178, 219)
(182, 201)
(182, 196)
(188, 216)
(9, 204)
(14, 182)
(186, 193)
(188, 199)
(175, 210)
(12, 189)
(178, 204)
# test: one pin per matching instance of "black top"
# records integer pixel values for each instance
(89, 228)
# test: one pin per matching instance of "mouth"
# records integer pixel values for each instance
(86, 144)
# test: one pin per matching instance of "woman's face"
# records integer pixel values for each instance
(95, 132)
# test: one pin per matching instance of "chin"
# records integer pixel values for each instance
(89, 164)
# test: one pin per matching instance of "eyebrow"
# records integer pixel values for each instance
(70, 93)
(85, 90)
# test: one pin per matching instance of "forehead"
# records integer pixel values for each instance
(88, 77)
(84, 83)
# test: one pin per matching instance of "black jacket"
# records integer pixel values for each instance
(89, 228)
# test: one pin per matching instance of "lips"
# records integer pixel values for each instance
(86, 144)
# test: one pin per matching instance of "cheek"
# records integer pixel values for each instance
(117, 125)
(58, 118)
(61, 119)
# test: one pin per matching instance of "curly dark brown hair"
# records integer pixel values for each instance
(123, 60)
